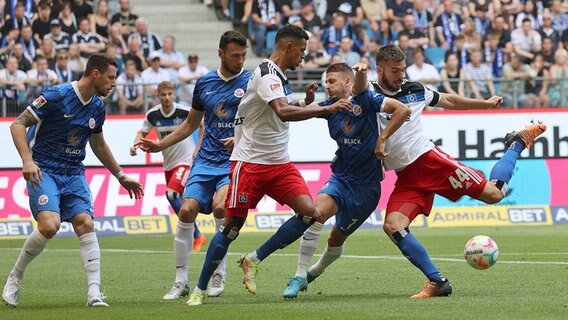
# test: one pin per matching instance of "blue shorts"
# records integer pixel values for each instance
(355, 203)
(202, 184)
(66, 195)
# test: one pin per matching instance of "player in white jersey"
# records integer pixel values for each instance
(424, 170)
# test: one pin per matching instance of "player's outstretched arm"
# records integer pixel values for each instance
(457, 102)
(184, 130)
(360, 84)
(103, 153)
(31, 171)
(139, 135)
(292, 113)
(400, 113)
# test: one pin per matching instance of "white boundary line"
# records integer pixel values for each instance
(137, 251)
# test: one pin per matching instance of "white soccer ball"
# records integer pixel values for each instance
(481, 252)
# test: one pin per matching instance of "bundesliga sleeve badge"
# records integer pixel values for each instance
(39, 102)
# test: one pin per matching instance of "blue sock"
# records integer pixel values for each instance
(416, 253)
(503, 169)
(215, 253)
(289, 232)
(175, 203)
(196, 232)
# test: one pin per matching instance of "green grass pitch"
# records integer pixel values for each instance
(371, 281)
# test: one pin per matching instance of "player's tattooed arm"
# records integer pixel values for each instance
(26, 119)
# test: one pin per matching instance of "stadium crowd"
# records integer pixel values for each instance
(477, 48)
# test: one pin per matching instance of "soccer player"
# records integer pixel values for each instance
(216, 97)
(165, 118)
(60, 122)
(260, 163)
(353, 190)
(424, 170)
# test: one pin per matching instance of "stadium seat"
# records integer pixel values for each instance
(270, 39)
(436, 56)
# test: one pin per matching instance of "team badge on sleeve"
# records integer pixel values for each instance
(274, 86)
(39, 102)
(92, 123)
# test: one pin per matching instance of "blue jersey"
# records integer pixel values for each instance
(356, 133)
(65, 124)
(219, 98)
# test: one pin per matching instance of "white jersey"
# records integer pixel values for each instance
(409, 142)
(260, 136)
(180, 153)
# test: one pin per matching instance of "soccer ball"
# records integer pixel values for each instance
(481, 252)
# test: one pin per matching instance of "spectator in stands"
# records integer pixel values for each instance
(117, 40)
(424, 21)
(382, 33)
(454, 79)
(10, 8)
(153, 75)
(29, 44)
(188, 76)
(40, 26)
(351, 9)
(360, 40)
(536, 87)
(40, 77)
(18, 20)
(398, 9)
(480, 8)
(62, 70)
(149, 41)
(130, 90)
(81, 9)
(111, 51)
(75, 63)
(415, 37)
(88, 42)
(481, 74)
(507, 8)
(530, 12)
(23, 63)
(13, 82)
(547, 52)
(504, 35)
(472, 39)
(100, 21)
(290, 8)
(68, 19)
(135, 53)
(61, 40)
(423, 72)
(526, 41)
(316, 57)
(403, 41)
(516, 72)
(265, 17)
(375, 10)
(482, 18)
(126, 18)
(546, 30)
(170, 59)
(558, 85)
(371, 54)
(346, 52)
(7, 44)
(448, 25)
(559, 16)
(310, 19)
(332, 35)
(47, 50)
(460, 51)
(241, 13)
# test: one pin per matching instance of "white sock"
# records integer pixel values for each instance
(183, 243)
(328, 257)
(227, 12)
(222, 267)
(34, 245)
(253, 256)
(91, 259)
(308, 246)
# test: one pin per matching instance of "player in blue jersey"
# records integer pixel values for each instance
(215, 100)
(60, 122)
(353, 190)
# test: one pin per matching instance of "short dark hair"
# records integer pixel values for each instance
(291, 31)
(341, 67)
(234, 37)
(390, 52)
(101, 62)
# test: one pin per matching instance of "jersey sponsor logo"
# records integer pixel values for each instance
(92, 123)
(43, 200)
(219, 111)
(351, 141)
(239, 93)
(357, 110)
(72, 137)
(39, 102)
(239, 120)
(346, 128)
(274, 86)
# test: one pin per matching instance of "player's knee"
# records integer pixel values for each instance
(83, 224)
(49, 229)
(391, 226)
(187, 212)
(219, 212)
